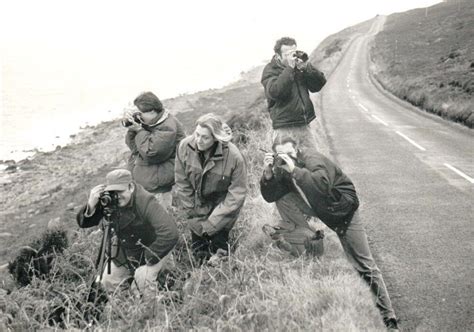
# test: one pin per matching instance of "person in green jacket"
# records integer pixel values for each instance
(153, 141)
(304, 183)
(211, 183)
(144, 232)
(288, 79)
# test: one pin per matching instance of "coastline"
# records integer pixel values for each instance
(51, 186)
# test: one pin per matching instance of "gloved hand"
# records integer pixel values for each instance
(147, 275)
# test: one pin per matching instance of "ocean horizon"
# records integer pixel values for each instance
(44, 106)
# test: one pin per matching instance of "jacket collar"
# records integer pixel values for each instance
(277, 62)
(164, 115)
(300, 157)
(218, 154)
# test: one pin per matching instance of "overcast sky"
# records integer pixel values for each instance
(186, 41)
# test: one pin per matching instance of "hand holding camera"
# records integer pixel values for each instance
(94, 196)
(268, 162)
(301, 60)
(284, 162)
(132, 119)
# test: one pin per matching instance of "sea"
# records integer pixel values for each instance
(47, 98)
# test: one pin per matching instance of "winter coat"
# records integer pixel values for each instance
(286, 90)
(216, 189)
(144, 228)
(330, 193)
(153, 152)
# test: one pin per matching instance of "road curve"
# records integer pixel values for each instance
(414, 174)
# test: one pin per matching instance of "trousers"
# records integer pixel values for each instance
(293, 210)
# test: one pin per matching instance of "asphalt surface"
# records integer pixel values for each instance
(414, 174)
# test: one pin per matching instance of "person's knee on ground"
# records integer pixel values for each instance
(296, 241)
(119, 277)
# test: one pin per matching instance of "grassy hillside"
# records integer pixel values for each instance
(330, 51)
(426, 56)
(256, 288)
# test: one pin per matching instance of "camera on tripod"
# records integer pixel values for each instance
(136, 118)
(109, 200)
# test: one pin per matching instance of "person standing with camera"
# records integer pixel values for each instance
(144, 233)
(305, 183)
(153, 135)
(211, 183)
(288, 79)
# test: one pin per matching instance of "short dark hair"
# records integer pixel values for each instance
(283, 41)
(283, 140)
(147, 102)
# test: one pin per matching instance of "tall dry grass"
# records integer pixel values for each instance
(257, 287)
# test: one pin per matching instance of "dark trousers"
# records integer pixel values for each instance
(294, 210)
(204, 247)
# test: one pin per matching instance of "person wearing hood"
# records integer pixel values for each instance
(288, 79)
(153, 136)
(211, 183)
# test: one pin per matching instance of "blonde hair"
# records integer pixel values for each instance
(219, 129)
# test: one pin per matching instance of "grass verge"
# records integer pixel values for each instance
(425, 56)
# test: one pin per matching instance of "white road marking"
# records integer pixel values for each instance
(364, 108)
(411, 141)
(380, 120)
(467, 177)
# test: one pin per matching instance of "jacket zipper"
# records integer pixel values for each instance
(302, 101)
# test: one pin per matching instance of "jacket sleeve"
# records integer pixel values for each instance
(313, 183)
(184, 188)
(165, 229)
(86, 222)
(272, 190)
(156, 146)
(278, 86)
(315, 80)
(130, 140)
(228, 210)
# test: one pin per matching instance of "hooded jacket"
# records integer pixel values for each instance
(144, 228)
(330, 193)
(153, 152)
(214, 190)
(286, 90)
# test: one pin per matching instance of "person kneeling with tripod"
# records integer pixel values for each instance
(138, 232)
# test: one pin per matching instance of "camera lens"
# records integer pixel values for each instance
(126, 123)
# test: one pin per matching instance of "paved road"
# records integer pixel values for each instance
(414, 174)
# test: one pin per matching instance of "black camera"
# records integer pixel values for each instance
(278, 161)
(136, 118)
(301, 55)
(109, 199)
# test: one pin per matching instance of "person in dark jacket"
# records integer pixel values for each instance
(288, 79)
(144, 234)
(306, 183)
(211, 181)
(153, 142)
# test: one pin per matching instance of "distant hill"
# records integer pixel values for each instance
(426, 56)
